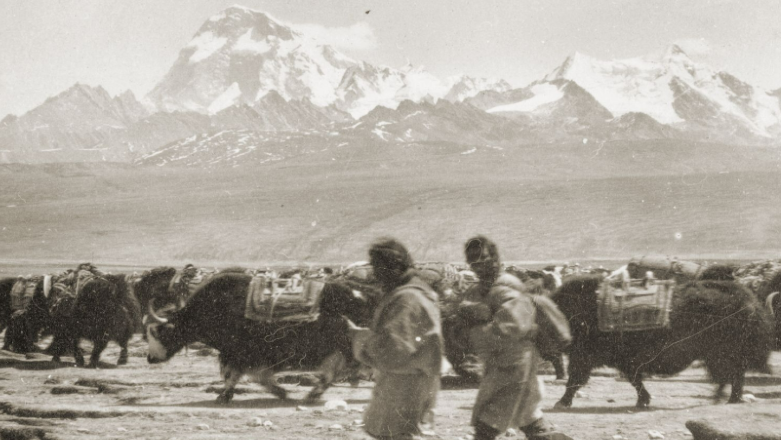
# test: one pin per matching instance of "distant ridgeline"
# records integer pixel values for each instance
(252, 88)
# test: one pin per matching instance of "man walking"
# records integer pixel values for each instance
(404, 345)
(503, 332)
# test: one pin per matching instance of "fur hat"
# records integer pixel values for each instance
(480, 248)
(391, 253)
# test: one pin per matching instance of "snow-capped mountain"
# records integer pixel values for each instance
(607, 99)
(240, 55)
(777, 94)
(462, 87)
(676, 91)
(246, 77)
(561, 110)
(365, 87)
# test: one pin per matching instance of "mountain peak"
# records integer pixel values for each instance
(237, 12)
(675, 50)
(568, 70)
(8, 119)
(97, 92)
(233, 22)
(272, 98)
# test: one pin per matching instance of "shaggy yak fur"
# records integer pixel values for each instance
(718, 272)
(214, 315)
(24, 327)
(766, 294)
(718, 322)
(104, 311)
(769, 296)
(151, 289)
(6, 285)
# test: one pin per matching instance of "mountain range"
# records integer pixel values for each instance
(247, 86)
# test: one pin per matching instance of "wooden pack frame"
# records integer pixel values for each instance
(640, 304)
(264, 304)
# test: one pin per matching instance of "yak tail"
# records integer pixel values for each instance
(760, 341)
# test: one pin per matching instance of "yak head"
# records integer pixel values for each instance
(164, 337)
(339, 299)
(577, 300)
(152, 287)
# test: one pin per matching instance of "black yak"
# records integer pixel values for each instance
(160, 288)
(25, 324)
(215, 316)
(718, 322)
(767, 292)
(6, 284)
(770, 296)
(104, 310)
(152, 288)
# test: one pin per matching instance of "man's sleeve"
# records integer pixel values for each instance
(398, 336)
(515, 320)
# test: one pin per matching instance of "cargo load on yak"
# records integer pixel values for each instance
(186, 281)
(360, 278)
(267, 300)
(627, 304)
(71, 282)
(757, 274)
(664, 268)
(444, 278)
(23, 291)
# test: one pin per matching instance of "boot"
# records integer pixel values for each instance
(485, 432)
(541, 429)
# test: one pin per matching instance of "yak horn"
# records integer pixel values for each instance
(155, 317)
(769, 302)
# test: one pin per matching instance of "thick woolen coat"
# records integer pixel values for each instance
(510, 393)
(404, 345)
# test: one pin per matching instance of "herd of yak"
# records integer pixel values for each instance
(713, 318)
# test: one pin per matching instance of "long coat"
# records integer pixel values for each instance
(404, 346)
(510, 393)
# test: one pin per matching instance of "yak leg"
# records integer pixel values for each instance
(231, 375)
(579, 374)
(719, 392)
(57, 347)
(329, 369)
(353, 370)
(77, 355)
(643, 397)
(98, 346)
(724, 371)
(736, 396)
(558, 365)
(122, 353)
(9, 335)
(123, 341)
(265, 376)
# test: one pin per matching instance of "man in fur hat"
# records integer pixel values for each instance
(503, 332)
(403, 344)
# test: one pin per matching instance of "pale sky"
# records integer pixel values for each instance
(47, 46)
